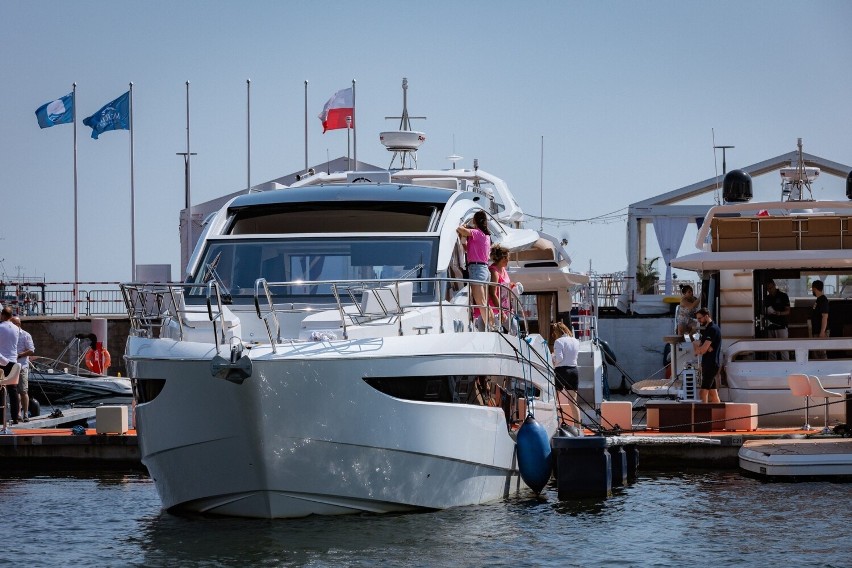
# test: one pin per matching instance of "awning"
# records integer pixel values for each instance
(755, 260)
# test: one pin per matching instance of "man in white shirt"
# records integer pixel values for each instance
(8, 340)
(8, 346)
(26, 347)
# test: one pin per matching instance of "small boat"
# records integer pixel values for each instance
(798, 458)
(51, 384)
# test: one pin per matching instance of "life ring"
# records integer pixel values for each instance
(98, 359)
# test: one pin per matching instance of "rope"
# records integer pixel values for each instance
(44, 394)
(676, 426)
(563, 418)
(594, 423)
(523, 367)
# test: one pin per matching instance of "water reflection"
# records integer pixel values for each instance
(664, 519)
(336, 540)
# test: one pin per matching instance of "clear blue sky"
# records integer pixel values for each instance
(625, 95)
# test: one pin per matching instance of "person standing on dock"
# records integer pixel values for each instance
(819, 317)
(566, 348)
(26, 347)
(8, 350)
(709, 346)
(777, 309)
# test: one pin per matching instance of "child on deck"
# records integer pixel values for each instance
(686, 322)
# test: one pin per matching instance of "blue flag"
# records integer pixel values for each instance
(60, 111)
(114, 115)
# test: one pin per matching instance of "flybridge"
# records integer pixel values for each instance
(771, 233)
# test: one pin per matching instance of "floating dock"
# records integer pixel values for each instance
(61, 448)
(61, 441)
(47, 442)
(710, 450)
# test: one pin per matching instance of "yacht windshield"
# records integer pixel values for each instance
(238, 263)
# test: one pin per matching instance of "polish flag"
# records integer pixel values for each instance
(337, 108)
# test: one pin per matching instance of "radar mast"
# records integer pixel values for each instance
(403, 142)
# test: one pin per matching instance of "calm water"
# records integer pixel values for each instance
(700, 519)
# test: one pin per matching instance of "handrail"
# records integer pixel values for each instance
(213, 287)
(340, 309)
(803, 345)
(277, 339)
(147, 310)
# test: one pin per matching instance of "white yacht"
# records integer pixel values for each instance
(322, 357)
(794, 241)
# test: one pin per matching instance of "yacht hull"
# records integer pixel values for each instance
(306, 434)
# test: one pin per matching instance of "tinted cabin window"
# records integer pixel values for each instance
(335, 217)
(238, 263)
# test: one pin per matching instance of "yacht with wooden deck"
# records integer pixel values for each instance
(793, 242)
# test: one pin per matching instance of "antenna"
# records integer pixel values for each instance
(403, 142)
(541, 187)
(724, 163)
(795, 181)
(455, 157)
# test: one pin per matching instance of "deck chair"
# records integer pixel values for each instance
(800, 385)
(818, 391)
(12, 377)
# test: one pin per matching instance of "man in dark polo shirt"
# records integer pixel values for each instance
(777, 309)
(819, 317)
(709, 346)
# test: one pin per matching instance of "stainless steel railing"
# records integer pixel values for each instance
(150, 306)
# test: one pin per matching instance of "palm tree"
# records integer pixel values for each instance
(647, 276)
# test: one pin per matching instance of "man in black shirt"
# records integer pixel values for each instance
(709, 346)
(777, 309)
(819, 317)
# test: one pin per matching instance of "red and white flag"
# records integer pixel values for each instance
(337, 108)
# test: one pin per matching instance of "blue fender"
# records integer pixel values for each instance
(534, 454)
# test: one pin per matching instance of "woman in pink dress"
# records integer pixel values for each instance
(499, 296)
(478, 252)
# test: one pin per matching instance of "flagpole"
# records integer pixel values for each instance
(354, 130)
(76, 255)
(541, 188)
(306, 125)
(132, 197)
(248, 134)
(348, 154)
(186, 184)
